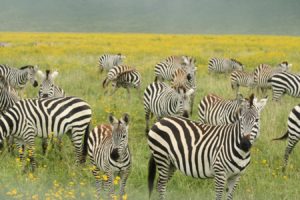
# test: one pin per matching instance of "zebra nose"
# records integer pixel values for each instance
(115, 154)
(185, 114)
(35, 84)
(44, 95)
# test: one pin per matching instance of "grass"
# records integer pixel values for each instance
(75, 56)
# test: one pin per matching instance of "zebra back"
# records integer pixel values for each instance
(215, 110)
(242, 78)
(130, 78)
(114, 72)
(108, 61)
(224, 65)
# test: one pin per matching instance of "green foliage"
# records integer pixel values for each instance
(75, 56)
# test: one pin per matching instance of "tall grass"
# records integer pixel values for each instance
(75, 56)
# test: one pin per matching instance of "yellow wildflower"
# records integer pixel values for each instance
(104, 177)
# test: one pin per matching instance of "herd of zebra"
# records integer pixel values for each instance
(216, 146)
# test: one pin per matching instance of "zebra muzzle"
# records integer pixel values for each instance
(114, 154)
(185, 114)
(245, 144)
(35, 84)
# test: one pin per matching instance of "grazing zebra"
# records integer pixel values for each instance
(108, 61)
(126, 79)
(203, 151)
(293, 133)
(109, 152)
(264, 72)
(224, 65)
(47, 88)
(285, 83)
(162, 100)
(181, 78)
(114, 72)
(241, 78)
(165, 69)
(215, 110)
(41, 117)
(17, 78)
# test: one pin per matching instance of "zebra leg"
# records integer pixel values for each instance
(277, 94)
(128, 92)
(124, 175)
(219, 184)
(232, 183)
(147, 118)
(77, 135)
(29, 141)
(11, 144)
(96, 173)
(291, 144)
(44, 145)
(108, 184)
(113, 91)
(164, 175)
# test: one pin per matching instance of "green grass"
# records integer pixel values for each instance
(75, 56)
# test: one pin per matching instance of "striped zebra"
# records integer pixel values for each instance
(264, 72)
(41, 117)
(17, 78)
(108, 61)
(166, 68)
(203, 151)
(47, 88)
(123, 76)
(109, 152)
(285, 83)
(181, 78)
(162, 100)
(292, 133)
(215, 110)
(241, 78)
(224, 65)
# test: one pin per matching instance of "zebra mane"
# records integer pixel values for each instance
(47, 73)
(234, 60)
(26, 67)
(251, 98)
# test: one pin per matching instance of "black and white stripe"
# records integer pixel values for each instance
(166, 68)
(292, 133)
(162, 100)
(41, 117)
(203, 151)
(224, 65)
(215, 110)
(47, 88)
(285, 83)
(17, 78)
(8, 96)
(241, 78)
(109, 153)
(264, 72)
(108, 61)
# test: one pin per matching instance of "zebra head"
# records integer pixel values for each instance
(236, 65)
(184, 100)
(284, 66)
(47, 85)
(119, 135)
(250, 119)
(119, 59)
(31, 72)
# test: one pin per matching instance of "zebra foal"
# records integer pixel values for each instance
(203, 151)
(29, 118)
(109, 152)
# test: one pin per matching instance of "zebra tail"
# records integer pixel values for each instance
(284, 137)
(85, 144)
(151, 174)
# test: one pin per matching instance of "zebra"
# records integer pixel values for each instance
(114, 72)
(162, 100)
(292, 133)
(48, 90)
(109, 152)
(241, 78)
(215, 110)
(17, 78)
(264, 72)
(181, 78)
(224, 65)
(285, 83)
(203, 151)
(125, 78)
(108, 61)
(166, 68)
(29, 118)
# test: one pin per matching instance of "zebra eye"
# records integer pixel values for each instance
(124, 136)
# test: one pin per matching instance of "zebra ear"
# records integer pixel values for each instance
(261, 104)
(41, 74)
(126, 118)
(112, 119)
(190, 92)
(54, 74)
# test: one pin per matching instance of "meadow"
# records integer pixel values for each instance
(75, 56)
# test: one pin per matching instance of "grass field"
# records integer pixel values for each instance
(75, 56)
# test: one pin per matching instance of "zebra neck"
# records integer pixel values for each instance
(23, 77)
(122, 154)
